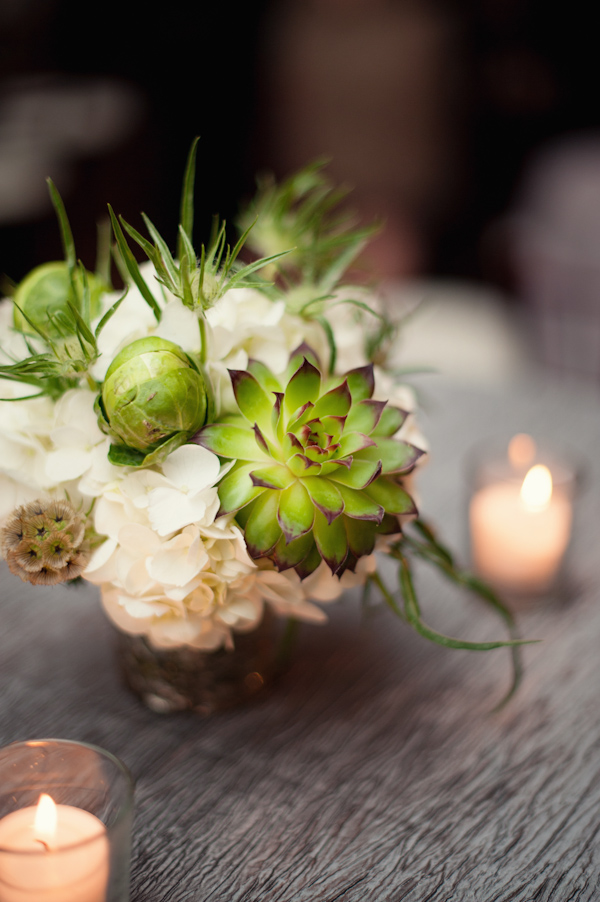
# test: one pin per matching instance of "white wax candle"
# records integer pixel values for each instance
(514, 546)
(66, 864)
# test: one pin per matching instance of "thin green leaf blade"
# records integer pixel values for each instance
(186, 208)
(132, 266)
(65, 228)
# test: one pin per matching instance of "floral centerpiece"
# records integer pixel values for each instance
(218, 438)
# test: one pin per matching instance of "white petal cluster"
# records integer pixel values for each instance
(167, 564)
(46, 447)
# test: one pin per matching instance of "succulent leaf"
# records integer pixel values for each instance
(361, 382)
(351, 442)
(331, 541)
(276, 476)
(325, 496)
(360, 474)
(296, 512)
(301, 465)
(391, 420)
(395, 456)
(251, 399)
(361, 538)
(228, 440)
(365, 416)
(391, 496)
(305, 385)
(291, 554)
(263, 376)
(237, 489)
(309, 564)
(336, 402)
(262, 529)
(359, 506)
(302, 352)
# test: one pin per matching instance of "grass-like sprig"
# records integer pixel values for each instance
(420, 541)
(304, 212)
(307, 213)
(63, 345)
(199, 279)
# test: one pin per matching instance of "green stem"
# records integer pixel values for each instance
(202, 327)
(287, 642)
(430, 550)
(376, 579)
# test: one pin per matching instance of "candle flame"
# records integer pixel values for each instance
(44, 825)
(521, 450)
(536, 490)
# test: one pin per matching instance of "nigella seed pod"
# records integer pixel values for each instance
(46, 294)
(43, 542)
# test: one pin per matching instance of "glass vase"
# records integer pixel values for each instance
(188, 679)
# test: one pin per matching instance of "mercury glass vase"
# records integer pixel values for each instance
(187, 679)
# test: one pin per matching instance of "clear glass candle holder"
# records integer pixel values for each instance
(521, 509)
(75, 847)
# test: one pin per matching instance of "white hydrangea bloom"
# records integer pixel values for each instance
(166, 559)
(74, 436)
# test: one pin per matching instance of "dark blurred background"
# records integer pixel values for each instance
(440, 115)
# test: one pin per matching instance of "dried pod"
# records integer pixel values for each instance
(43, 542)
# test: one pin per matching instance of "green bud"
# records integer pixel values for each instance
(46, 292)
(151, 392)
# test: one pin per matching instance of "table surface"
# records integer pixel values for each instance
(374, 769)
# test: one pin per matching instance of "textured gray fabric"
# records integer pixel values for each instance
(374, 769)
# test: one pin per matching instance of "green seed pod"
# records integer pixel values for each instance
(151, 392)
(46, 292)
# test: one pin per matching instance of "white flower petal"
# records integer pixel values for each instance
(179, 560)
(99, 559)
(179, 324)
(191, 468)
(170, 510)
(67, 463)
(138, 540)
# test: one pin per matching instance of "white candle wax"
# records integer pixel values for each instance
(69, 865)
(516, 547)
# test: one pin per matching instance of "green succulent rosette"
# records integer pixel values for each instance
(318, 473)
(154, 397)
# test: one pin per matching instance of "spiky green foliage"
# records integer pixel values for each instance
(54, 307)
(198, 279)
(318, 473)
(304, 212)
(308, 214)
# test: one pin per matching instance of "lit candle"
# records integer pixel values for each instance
(520, 528)
(53, 853)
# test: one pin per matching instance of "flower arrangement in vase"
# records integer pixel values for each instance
(218, 444)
